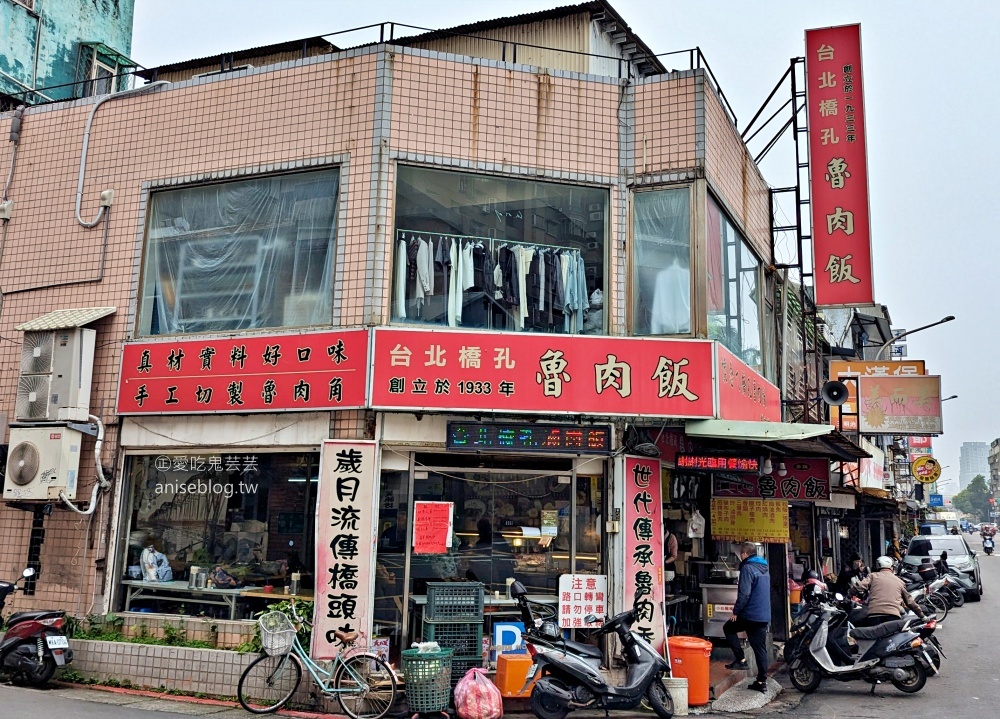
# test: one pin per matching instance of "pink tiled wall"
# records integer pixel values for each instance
(666, 125)
(734, 175)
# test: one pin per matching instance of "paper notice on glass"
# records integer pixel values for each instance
(531, 532)
(432, 527)
(550, 522)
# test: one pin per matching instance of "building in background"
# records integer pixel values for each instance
(64, 49)
(973, 460)
(994, 463)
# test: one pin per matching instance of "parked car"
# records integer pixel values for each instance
(960, 557)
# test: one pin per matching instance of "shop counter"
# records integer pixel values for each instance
(717, 601)
(138, 589)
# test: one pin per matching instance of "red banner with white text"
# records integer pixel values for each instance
(838, 167)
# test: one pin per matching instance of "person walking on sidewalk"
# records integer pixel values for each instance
(751, 614)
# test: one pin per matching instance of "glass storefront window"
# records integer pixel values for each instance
(733, 289)
(242, 255)
(662, 262)
(491, 252)
(246, 520)
(508, 524)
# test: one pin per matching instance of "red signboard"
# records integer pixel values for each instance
(548, 374)
(744, 394)
(433, 524)
(792, 478)
(919, 442)
(838, 174)
(261, 373)
(719, 463)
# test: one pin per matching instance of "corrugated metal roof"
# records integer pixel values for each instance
(62, 319)
(236, 56)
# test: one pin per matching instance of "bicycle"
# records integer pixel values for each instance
(365, 686)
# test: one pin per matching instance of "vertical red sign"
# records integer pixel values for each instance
(644, 546)
(838, 167)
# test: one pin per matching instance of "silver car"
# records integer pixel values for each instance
(960, 557)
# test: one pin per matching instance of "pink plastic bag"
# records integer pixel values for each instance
(476, 697)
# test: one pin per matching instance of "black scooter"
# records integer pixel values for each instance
(567, 674)
(34, 643)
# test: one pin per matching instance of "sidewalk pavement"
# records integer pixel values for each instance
(737, 700)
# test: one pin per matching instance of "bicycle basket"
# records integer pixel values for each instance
(277, 633)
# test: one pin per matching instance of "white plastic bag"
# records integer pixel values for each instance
(476, 697)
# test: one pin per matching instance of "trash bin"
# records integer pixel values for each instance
(690, 659)
(678, 689)
(428, 679)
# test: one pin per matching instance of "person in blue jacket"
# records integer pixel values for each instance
(751, 614)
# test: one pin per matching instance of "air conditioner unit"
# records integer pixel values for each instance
(57, 367)
(41, 463)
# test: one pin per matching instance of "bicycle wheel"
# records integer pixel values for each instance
(940, 605)
(366, 686)
(268, 683)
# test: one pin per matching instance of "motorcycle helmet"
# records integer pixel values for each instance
(810, 574)
(883, 563)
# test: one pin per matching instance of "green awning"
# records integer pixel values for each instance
(787, 438)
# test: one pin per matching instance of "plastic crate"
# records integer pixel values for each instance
(460, 665)
(465, 638)
(428, 679)
(454, 602)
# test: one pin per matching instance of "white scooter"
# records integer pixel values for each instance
(988, 545)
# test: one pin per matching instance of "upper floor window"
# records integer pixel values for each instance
(101, 70)
(244, 255)
(491, 252)
(734, 299)
(661, 262)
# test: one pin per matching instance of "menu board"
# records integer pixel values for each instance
(432, 527)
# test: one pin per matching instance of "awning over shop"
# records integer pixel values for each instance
(786, 438)
(65, 319)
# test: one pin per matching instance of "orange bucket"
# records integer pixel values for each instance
(690, 658)
(794, 596)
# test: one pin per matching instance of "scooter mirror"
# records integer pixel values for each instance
(591, 619)
(28, 572)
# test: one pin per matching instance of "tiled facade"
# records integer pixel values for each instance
(365, 111)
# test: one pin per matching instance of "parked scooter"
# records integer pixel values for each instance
(35, 643)
(827, 646)
(988, 545)
(567, 674)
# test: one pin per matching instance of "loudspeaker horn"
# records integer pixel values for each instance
(834, 393)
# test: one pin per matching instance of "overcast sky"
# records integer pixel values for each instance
(932, 109)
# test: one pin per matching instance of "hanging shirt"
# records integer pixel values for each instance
(425, 272)
(454, 294)
(670, 313)
(401, 280)
(524, 262)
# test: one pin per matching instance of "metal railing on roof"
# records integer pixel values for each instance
(697, 60)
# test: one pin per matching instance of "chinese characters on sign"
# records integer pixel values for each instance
(429, 369)
(580, 595)
(432, 526)
(718, 462)
(269, 373)
(900, 405)
(644, 546)
(743, 393)
(755, 520)
(845, 417)
(345, 543)
(801, 479)
(838, 174)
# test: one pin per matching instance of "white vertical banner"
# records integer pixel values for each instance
(345, 543)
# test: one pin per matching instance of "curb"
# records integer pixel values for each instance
(145, 693)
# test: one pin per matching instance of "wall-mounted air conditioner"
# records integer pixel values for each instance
(41, 463)
(57, 367)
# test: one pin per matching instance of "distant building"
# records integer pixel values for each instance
(63, 50)
(994, 462)
(973, 460)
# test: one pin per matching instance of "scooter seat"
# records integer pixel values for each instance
(587, 650)
(878, 631)
(18, 617)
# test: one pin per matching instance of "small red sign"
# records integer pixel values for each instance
(838, 167)
(791, 478)
(545, 374)
(432, 526)
(743, 393)
(260, 373)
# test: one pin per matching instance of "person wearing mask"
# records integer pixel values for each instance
(751, 614)
(887, 595)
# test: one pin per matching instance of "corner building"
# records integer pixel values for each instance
(514, 268)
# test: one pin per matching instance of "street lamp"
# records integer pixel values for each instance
(878, 355)
(954, 396)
